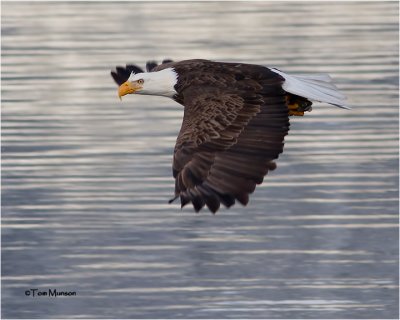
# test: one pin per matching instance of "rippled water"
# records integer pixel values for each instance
(86, 178)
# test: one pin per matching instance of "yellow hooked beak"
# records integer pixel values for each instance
(128, 87)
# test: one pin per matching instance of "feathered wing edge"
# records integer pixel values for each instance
(317, 87)
(122, 74)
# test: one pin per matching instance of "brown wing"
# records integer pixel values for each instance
(227, 142)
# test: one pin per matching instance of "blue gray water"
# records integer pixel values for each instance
(86, 178)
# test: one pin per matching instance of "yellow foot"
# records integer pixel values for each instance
(296, 113)
(293, 106)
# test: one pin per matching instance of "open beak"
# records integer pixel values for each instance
(126, 88)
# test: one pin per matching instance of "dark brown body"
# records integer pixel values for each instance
(234, 124)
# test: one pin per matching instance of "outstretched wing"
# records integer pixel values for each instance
(227, 142)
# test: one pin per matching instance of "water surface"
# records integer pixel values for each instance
(86, 178)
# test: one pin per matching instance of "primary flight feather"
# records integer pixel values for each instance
(235, 119)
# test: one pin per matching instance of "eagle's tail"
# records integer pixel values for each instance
(316, 87)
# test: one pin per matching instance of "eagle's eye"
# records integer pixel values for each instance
(140, 81)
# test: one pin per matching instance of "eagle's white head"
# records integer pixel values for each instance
(157, 83)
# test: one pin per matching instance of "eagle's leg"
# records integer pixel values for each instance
(293, 110)
(297, 105)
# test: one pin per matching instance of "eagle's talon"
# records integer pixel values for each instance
(296, 113)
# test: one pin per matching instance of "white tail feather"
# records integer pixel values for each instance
(317, 87)
(316, 76)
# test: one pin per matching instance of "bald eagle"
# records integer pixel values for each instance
(236, 117)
